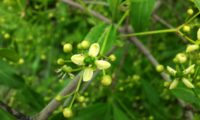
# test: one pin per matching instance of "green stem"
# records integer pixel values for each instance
(150, 32)
(192, 18)
(122, 19)
(76, 91)
(186, 37)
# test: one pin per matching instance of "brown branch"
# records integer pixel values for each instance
(165, 23)
(94, 13)
(146, 52)
(54, 104)
(18, 115)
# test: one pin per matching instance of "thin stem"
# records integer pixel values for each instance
(122, 19)
(186, 37)
(192, 18)
(76, 92)
(150, 32)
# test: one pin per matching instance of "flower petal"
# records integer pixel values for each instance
(78, 59)
(173, 84)
(94, 50)
(87, 74)
(171, 71)
(102, 64)
(198, 34)
(187, 83)
(189, 70)
(191, 48)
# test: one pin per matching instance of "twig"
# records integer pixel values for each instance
(13, 112)
(165, 23)
(146, 52)
(94, 13)
(53, 104)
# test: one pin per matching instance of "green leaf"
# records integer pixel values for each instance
(197, 3)
(113, 6)
(140, 13)
(5, 116)
(9, 77)
(98, 111)
(104, 35)
(9, 54)
(95, 33)
(153, 101)
(118, 114)
(186, 95)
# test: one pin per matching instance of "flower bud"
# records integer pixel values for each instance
(198, 34)
(102, 64)
(6, 35)
(81, 99)
(166, 84)
(181, 58)
(78, 59)
(112, 57)
(60, 61)
(79, 46)
(191, 48)
(159, 68)
(87, 74)
(58, 98)
(106, 80)
(67, 47)
(186, 28)
(85, 44)
(189, 70)
(173, 84)
(190, 11)
(136, 77)
(187, 83)
(171, 71)
(66, 68)
(21, 61)
(67, 112)
(94, 50)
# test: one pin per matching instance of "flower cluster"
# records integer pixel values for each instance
(187, 66)
(87, 61)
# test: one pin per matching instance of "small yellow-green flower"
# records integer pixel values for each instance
(191, 48)
(88, 60)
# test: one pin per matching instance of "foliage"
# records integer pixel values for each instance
(140, 61)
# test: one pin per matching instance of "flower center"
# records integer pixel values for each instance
(89, 60)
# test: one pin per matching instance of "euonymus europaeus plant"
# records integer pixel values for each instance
(99, 59)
